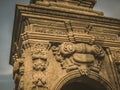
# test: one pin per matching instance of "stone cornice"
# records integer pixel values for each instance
(83, 3)
(24, 12)
(65, 14)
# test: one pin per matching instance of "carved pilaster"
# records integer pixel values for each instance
(39, 52)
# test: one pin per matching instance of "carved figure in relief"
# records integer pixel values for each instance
(18, 64)
(116, 58)
(39, 81)
(40, 63)
(18, 70)
(73, 56)
(21, 84)
(117, 62)
(39, 56)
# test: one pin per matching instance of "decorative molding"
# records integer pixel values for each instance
(86, 4)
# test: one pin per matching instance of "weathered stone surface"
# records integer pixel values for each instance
(64, 45)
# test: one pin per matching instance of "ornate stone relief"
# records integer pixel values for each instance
(79, 56)
(25, 42)
(39, 81)
(21, 84)
(39, 57)
(18, 71)
(118, 66)
(116, 58)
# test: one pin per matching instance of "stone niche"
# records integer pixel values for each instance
(64, 45)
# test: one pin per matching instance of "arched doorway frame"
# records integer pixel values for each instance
(75, 74)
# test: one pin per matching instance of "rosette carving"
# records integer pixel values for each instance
(67, 48)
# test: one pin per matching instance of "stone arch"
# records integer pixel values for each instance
(95, 78)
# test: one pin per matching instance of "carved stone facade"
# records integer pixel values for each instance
(65, 45)
(80, 56)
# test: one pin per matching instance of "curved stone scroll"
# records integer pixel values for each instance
(80, 56)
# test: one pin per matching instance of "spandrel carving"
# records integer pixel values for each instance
(80, 56)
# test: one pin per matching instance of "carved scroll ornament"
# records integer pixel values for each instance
(79, 56)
